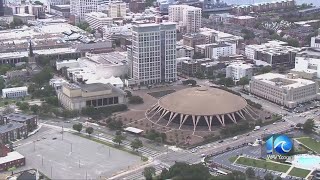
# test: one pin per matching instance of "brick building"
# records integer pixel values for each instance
(10, 159)
(30, 120)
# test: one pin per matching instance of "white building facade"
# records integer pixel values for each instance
(286, 90)
(15, 92)
(315, 42)
(98, 20)
(308, 62)
(224, 49)
(117, 9)
(236, 71)
(190, 17)
(78, 8)
(152, 56)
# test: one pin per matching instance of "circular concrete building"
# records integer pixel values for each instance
(200, 106)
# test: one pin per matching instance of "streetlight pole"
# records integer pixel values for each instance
(62, 132)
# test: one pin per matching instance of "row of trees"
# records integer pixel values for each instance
(183, 171)
(99, 113)
(119, 138)
(78, 127)
(135, 100)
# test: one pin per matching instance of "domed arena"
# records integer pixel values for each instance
(200, 106)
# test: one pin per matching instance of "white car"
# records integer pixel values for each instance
(274, 123)
(194, 150)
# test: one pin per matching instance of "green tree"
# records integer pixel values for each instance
(250, 172)
(83, 25)
(278, 178)
(293, 42)
(243, 81)
(248, 34)
(89, 130)
(38, 3)
(2, 83)
(226, 81)
(136, 144)
(181, 171)
(52, 100)
(35, 109)
(118, 139)
(24, 106)
(309, 126)
(149, 3)
(77, 127)
(129, 94)
(135, 100)
(268, 176)
(43, 77)
(149, 172)
(4, 68)
(265, 69)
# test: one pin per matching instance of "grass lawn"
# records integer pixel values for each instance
(263, 164)
(143, 158)
(160, 94)
(233, 159)
(299, 172)
(311, 143)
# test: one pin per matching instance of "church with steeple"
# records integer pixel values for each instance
(32, 67)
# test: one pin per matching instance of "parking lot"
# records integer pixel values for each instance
(72, 157)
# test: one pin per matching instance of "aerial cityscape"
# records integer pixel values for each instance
(159, 89)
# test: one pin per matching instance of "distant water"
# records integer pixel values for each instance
(240, 2)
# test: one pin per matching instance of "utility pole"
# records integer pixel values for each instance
(62, 132)
(42, 160)
(71, 146)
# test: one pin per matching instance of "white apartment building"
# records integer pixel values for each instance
(117, 9)
(237, 70)
(152, 56)
(315, 41)
(57, 2)
(189, 16)
(78, 8)
(185, 51)
(15, 92)
(224, 49)
(250, 50)
(98, 20)
(286, 90)
(307, 63)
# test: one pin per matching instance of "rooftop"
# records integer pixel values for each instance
(217, 101)
(241, 65)
(19, 117)
(23, 88)
(11, 157)
(10, 126)
(243, 17)
(98, 15)
(95, 87)
(282, 81)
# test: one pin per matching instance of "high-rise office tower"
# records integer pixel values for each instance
(78, 9)
(187, 16)
(152, 56)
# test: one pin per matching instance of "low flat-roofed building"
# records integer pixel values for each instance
(60, 10)
(20, 74)
(192, 66)
(273, 53)
(72, 63)
(184, 51)
(239, 70)
(12, 159)
(285, 90)
(15, 92)
(97, 20)
(193, 39)
(30, 120)
(12, 131)
(57, 83)
(216, 50)
(307, 63)
(76, 97)
(25, 17)
(243, 20)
